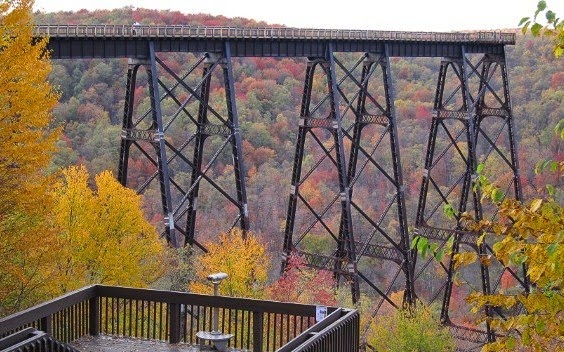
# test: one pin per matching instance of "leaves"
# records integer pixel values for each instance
(464, 258)
(243, 258)
(423, 247)
(304, 285)
(550, 16)
(449, 211)
(541, 6)
(554, 27)
(559, 129)
(497, 195)
(523, 21)
(414, 330)
(536, 204)
(27, 239)
(103, 234)
(534, 238)
(536, 29)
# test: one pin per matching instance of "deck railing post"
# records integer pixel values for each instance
(94, 316)
(174, 323)
(258, 326)
(46, 324)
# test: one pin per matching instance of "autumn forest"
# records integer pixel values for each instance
(79, 226)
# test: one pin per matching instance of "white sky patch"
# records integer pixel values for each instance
(415, 15)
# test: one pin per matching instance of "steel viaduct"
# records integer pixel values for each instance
(353, 133)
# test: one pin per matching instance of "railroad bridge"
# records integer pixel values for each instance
(350, 129)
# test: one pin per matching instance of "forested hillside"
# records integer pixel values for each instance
(269, 94)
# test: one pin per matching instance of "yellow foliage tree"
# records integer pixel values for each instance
(27, 143)
(534, 237)
(416, 329)
(243, 258)
(103, 234)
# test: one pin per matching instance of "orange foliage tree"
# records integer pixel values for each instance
(27, 143)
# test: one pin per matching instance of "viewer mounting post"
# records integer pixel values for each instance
(219, 339)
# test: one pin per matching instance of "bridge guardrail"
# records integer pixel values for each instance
(186, 31)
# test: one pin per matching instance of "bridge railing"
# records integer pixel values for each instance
(183, 31)
(177, 317)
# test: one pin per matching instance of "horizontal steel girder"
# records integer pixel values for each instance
(114, 41)
(443, 234)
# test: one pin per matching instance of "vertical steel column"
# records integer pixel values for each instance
(127, 122)
(160, 148)
(227, 128)
(344, 263)
(464, 114)
(236, 143)
(384, 116)
(154, 135)
(346, 217)
(512, 148)
(198, 151)
(468, 108)
(409, 295)
(429, 155)
(512, 141)
(473, 113)
(476, 118)
(297, 166)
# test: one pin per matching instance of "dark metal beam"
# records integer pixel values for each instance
(115, 41)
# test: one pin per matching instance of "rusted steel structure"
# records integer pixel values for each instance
(350, 133)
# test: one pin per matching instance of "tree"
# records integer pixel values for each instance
(533, 234)
(243, 258)
(529, 234)
(27, 143)
(410, 330)
(554, 27)
(304, 285)
(103, 234)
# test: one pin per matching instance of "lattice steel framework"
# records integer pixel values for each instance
(472, 124)
(347, 135)
(170, 156)
(371, 132)
(322, 123)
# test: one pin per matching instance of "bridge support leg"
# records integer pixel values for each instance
(375, 158)
(374, 154)
(468, 123)
(138, 132)
(229, 129)
(198, 151)
(321, 122)
(187, 103)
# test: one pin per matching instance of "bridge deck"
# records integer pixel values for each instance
(108, 41)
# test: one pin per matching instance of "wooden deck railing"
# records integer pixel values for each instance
(177, 317)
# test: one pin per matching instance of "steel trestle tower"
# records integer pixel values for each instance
(472, 125)
(371, 132)
(192, 106)
(347, 134)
